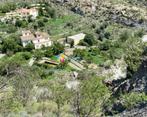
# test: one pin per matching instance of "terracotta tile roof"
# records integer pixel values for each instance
(27, 35)
(37, 37)
(41, 35)
(24, 10)
(26, 31)
(26, 38)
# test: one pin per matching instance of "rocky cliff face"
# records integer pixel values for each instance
(138, 83)
(80, 6)
(139, 111)
(128, 14)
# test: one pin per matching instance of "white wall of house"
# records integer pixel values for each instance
(25, 43)
(38, 39)
(34, 14)
(144, 38)
(40, 43)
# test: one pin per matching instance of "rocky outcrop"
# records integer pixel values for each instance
(138, 83)
(79, 6)
(115, 74)
(128, 15)
(139, 111)
(116, 71)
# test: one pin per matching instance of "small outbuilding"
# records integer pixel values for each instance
(75, 39)
(144, 39)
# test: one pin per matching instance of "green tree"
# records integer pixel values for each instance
(105, 45)
(83, 43)
(41, 12)
(124, 36)
(9, 45)
(10, 28)
(40, 23)
(89, 39)
(20, 78)
(7, 7)
(26, 55)
(71, 44)
(79, 53)
(23, 84)
(49, 52)
(23, 4)
(107, 35)
(98, 31)
(57, 48)
(89, 97)
(29, 47)
(29, 19)
(16, 38)
(140, 33)
(101, 36)
(60, 95)
(51, 12)
(38, 54)
(21, 23)
(62, 65)
(133, 49)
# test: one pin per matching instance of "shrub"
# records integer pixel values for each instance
(38, 54)
(29, 47)
(89, 39)
(49, 52)
(101, 37)
(124, 36)
(41, 12)
(26, 55)
(51, 12)
(62, 65)
(57, 48)
(107, 35)
(132, 99)
(11, 29)
(105, 46)
(21, 23)
(140, 33)
(10, 45)
(40, 23)
(45, 19)
(98, 31)
(7, 7)
(83, 43)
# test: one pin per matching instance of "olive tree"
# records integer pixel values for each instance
(88, 99)
(133, 49)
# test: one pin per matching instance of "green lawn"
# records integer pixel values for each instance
(59, 29)
(2, 14)
(60, 21)
(98, 59)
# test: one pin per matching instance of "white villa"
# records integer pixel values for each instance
(20, 13)
(23, 12)
(27, 37)
(76, 38)
(39, 39)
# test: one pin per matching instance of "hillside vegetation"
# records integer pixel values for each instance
(113, 79)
